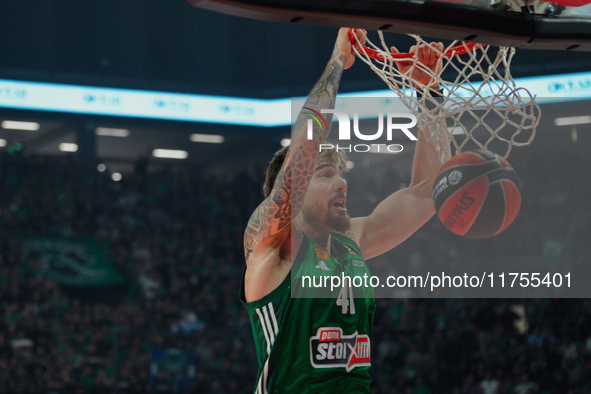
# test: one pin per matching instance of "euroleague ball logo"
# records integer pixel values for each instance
(454, 177)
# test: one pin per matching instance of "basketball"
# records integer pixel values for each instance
(477, 194)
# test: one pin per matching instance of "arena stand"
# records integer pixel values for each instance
(174, 323)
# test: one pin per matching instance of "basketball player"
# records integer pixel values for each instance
(322, 345)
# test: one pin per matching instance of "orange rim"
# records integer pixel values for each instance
(456, 50)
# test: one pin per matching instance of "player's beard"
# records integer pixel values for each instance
(340, 222)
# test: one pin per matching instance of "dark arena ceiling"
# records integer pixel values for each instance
(170, 46)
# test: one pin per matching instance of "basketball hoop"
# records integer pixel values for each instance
(481, 106)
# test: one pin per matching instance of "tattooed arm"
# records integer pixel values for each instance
(267, 240)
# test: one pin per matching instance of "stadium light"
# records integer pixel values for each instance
(170, 154)
(109, 132)
(208, 138)
(3, 143)
(68, 147)
(285, 142)
(456, 130)
(17, 125)
(572, 120)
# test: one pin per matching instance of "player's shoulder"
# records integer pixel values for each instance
(345, 235)
(354, 235)
(355, 231)
(347, 238)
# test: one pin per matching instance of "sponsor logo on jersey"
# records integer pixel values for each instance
(323, 266)
(321, 253)
(331, 349)
(351, 250)
(358, 263)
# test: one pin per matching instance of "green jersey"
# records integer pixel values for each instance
(315, 345)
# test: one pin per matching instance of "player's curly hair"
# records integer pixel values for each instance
(338, 157)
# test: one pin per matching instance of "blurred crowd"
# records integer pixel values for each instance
(177, 325)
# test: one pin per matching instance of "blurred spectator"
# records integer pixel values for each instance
(176, 235)
(489, 385)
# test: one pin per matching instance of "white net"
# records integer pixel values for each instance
(480, 106)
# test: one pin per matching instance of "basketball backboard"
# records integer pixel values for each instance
(531, 24)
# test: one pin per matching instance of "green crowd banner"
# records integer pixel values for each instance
(74, 261)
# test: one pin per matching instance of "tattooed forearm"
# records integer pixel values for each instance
(322, 96)
(325, 90)
(303, 153)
